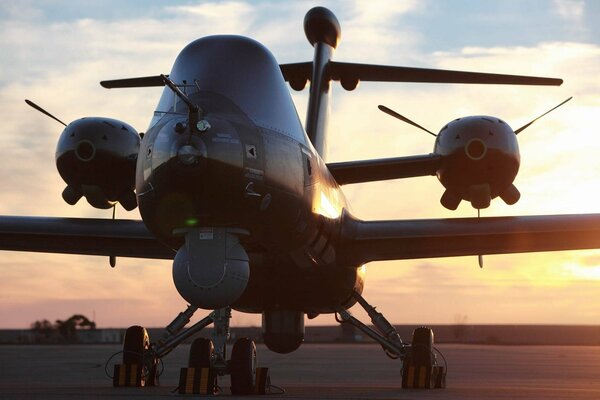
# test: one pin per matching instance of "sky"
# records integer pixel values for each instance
(56, 52)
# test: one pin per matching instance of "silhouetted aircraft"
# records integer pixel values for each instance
(235, 190)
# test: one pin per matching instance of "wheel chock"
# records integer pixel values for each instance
(423, 377)
(127, 375)
(197, 381)
(263, 381)
(440, 377)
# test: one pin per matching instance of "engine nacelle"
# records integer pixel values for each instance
(480, 160)
(211, 269)
(96, 157)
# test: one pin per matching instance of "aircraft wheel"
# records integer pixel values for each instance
(422, 347)
(243, 367)
(201, 352)
(135, 343)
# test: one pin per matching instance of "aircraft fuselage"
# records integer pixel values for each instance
(248, 165)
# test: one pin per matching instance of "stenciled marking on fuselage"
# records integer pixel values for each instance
(225, 140)
(252, 173)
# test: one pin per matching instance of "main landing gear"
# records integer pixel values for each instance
(207, 359)
(419, 362)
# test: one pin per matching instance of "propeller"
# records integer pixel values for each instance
(40, 109)
(403, 118)
(510, 195)
(112, 260)
(547, 112)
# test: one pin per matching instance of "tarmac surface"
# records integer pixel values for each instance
(334, 371)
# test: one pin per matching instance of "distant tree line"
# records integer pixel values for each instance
(60, 331)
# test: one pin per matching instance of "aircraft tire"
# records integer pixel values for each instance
(422, 347)
(135, 343)
(201, 352)
(243, 367)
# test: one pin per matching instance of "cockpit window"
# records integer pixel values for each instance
(240, 70)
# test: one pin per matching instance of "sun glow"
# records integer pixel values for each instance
(327, 202)
(579, 272)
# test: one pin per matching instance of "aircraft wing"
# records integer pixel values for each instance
(387, 73)
(362, 241)
(365, 241)
(102, 237)
(384, 168)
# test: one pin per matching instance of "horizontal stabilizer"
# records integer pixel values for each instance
(384, 168)
(145, 81)
(383, 73)
(297, 71)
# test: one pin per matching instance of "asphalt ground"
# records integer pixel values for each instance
(336, 371)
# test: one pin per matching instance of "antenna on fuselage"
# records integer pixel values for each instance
(196, 113)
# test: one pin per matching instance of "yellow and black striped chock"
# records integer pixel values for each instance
(127, 375)
(263, 381)
(197, 381)
(423, 377)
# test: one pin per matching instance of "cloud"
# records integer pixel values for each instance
(59, 63)
(375, 30)
(231, 15)
(552, 150)
(571, 10)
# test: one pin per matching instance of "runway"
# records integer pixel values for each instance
(335, 371)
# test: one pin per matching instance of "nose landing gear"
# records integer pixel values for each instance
(207, 359)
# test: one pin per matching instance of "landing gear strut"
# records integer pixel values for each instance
(419, 364)
(385, 334)
(207, 358)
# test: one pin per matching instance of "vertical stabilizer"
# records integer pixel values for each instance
(323, 31)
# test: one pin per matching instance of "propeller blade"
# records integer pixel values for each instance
(403, 118)
(549, 111)
(40, 109)
(144, 81)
